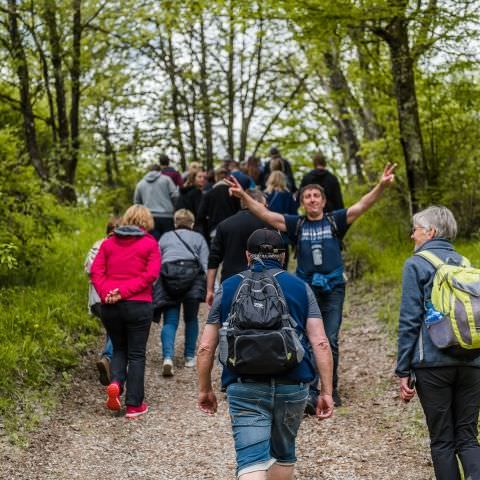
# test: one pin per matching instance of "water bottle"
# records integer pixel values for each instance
(317, 254)
(432, 315)
(223, 344)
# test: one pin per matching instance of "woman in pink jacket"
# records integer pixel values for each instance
(123, 273)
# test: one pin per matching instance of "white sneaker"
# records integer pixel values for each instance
(167, 369)
(190, 362)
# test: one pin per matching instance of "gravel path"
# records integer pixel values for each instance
(373, 436)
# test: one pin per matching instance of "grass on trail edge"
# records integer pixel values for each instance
(45, 328)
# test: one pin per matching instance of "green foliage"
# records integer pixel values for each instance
(28, 215)
(44, 326)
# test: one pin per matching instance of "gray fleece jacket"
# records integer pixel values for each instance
(158, 193)
(173, 249)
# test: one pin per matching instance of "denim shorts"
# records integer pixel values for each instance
(265, 420)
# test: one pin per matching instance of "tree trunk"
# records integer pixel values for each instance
(205, 98)
(170, 65)
(402, 64)
(247, 119)
(66, 191)
(23, 75)
(231, 82)
(75, 73)
(340, 93)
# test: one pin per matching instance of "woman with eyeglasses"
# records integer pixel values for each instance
(448, 385)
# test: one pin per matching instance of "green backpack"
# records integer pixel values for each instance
(453, 313)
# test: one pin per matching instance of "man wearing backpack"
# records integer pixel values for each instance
(267, 387)
(318, 238)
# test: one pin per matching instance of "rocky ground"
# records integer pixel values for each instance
(373, 436)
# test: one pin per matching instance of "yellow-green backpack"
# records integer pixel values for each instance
(456, 296)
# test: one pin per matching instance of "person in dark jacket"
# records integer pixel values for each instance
(192, 193)
(285, 167)
(216, 205)
(327, 180)
(448, 386)
(181, 244)
(230, 242)
(280, 200)
(166, 169)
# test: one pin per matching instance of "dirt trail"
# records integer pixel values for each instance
(372, 437)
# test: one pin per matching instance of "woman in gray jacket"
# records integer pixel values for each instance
(448, 386)
(182, 244)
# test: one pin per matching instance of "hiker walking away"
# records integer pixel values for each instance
(166, 169)
(271, 317)
(94, 306)
(123, 273)
(192, 193)
(280, 200)
(182, 283)
(216, 205)
(283, 165)
(446, 377)
(158, 193)
(327, 180)
(230, 242)
(318, 238)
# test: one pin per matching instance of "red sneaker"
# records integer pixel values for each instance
(113, 400)
(136, 411)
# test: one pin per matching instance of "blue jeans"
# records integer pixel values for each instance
(107, 350)
(128, 325)
(265, 420)
(171, 318)
(331, 307)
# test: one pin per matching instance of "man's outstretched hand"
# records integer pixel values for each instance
(388, 177)
(236, 189)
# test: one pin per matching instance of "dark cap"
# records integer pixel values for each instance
(266, 241)
(274, 151)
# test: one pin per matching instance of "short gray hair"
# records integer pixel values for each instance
(439, 218)
(279, 257)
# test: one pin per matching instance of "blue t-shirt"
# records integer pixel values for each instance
(301, 306)
(318, 232)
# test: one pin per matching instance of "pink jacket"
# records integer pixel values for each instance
(128, 260)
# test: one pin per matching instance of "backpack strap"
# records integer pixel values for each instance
(436, 262)
(298, 229)
(187, 246)
(431, 258)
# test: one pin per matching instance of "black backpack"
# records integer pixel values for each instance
(259, 336)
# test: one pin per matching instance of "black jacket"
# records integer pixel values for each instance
(190, 198)
(230, 243)
(216, 205)
(328, 181)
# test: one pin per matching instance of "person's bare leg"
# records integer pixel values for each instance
(258, 475)
(280, 472)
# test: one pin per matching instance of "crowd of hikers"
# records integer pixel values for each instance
(276, 334)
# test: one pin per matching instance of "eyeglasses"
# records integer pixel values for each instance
(417, 228)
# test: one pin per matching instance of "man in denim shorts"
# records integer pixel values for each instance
(266, 412)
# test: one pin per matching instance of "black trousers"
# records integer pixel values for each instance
(162, 225)
(450, 397)
(128, 325)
